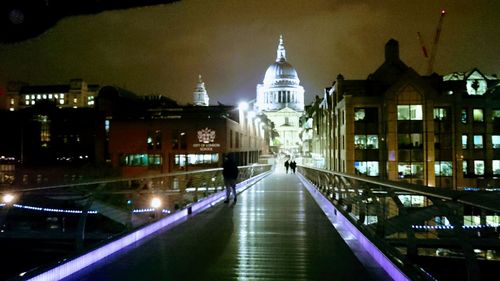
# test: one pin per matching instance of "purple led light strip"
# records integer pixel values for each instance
(336, 217)
(98, 254)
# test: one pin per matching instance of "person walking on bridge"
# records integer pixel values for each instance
(287, 165)
(230, 174)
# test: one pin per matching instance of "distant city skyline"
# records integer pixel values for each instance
(162, 49)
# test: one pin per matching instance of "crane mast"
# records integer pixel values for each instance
(432, 56)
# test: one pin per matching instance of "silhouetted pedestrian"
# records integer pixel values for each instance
(287, 165)
(230, 174)
(293, 165)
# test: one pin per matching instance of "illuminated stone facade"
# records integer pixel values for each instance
(281, 98)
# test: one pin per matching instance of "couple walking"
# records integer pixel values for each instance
(292, 165)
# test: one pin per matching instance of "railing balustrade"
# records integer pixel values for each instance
(409, 222)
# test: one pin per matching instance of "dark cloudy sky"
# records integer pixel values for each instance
(162, 49)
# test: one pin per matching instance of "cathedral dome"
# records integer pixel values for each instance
(281, 72)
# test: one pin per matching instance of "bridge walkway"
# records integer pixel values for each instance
(275, 231)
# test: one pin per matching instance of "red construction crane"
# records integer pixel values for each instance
(434, 46)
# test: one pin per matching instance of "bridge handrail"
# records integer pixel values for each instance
(401, 229)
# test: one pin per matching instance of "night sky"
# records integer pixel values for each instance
(162, 49)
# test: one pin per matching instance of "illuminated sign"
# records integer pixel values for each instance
(206, 139)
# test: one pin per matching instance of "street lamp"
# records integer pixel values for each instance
(8, 198)
(155, 202)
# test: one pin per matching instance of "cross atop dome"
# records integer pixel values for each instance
(281, 53)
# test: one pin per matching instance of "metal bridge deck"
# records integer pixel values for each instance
(275, 231)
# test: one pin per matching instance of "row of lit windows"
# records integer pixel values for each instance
(44, 96)
(415, 112)
(140, 160)
(31, 99)
(196, 159)
(478, 141)
(412, 141)
(416, 169)
(479, 168)
(478, 115)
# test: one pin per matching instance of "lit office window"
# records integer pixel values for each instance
(495, 165)
(443, 168)
(44, 129)
(464, 141)
(106, 126)
(479, 167)
(478, 141)
(495, 141)
(367, 168)
(359, 114)
(478, 115)
(464, 167)
(410, 112)
(200, 159)
(412, 200)
(440, 113)
(366, 141)
(463, 116)
(411, 170)
(141, 160)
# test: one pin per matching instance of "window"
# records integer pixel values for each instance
(478, 115)
(366, 141)
(367, 168)
(411, 170)
(479, 167)
(359, 114)
(495, 115)
(368, 114)
(464, 167)
(179, 140)
(199, 159)
(230, 138)
(478, 141)
(464, 141)
(495, 165)
(44, 129)
(495, 141)
(154, 140)
(409, 141)
(412, 200)
(463, 116)
(410, 112)
(440, 113)
(443, 168)
(141, 160)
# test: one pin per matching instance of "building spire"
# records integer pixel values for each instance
(200, 94)
(281, 53)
